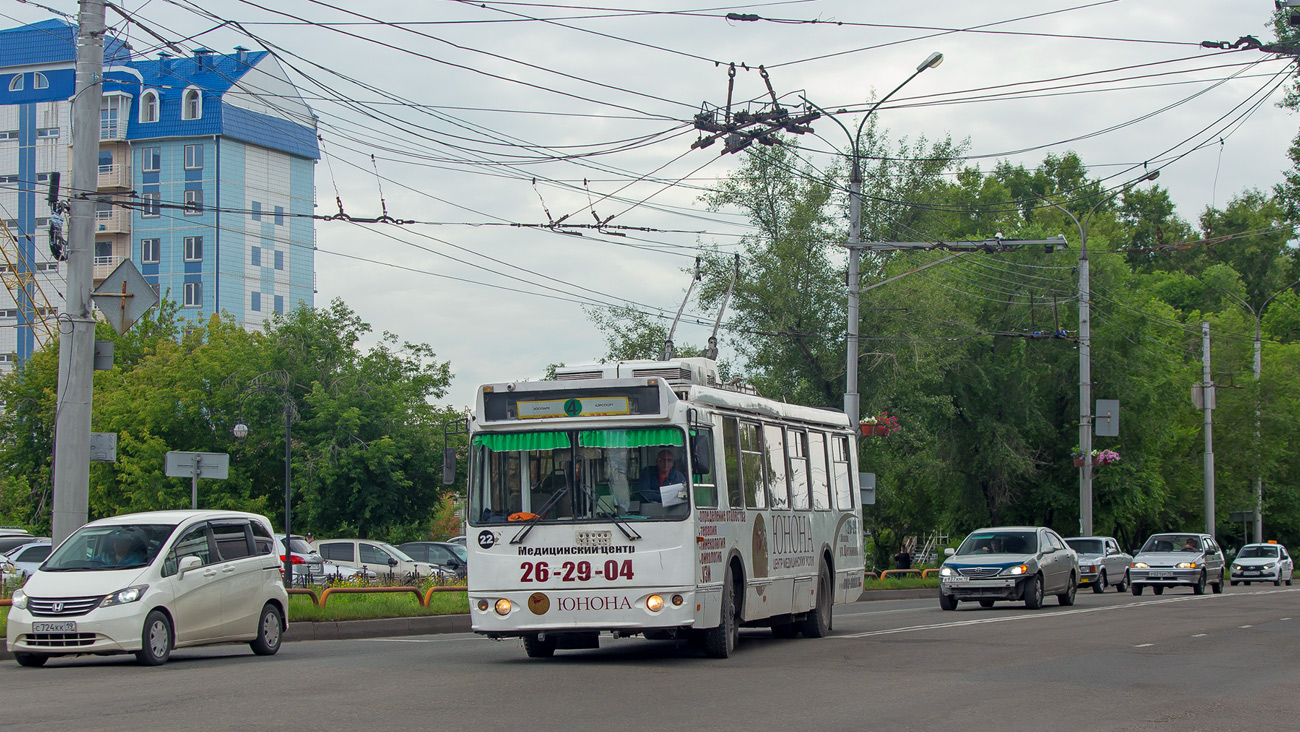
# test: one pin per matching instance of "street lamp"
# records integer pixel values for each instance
(855, 237)
(1085, 351)
(240, 431)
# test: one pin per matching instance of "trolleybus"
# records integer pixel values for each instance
(644, 497)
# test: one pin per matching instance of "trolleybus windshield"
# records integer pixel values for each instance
(636, 473)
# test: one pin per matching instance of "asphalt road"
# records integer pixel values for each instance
(1112, 662)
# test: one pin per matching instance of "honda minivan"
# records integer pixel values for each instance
(148, 583)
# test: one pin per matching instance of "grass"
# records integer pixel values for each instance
(370, 607)
(901, 583)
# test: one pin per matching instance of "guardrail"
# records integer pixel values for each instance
(6, 602)
(926, 573)
(870, 575)
(899, 572)
(423, 598)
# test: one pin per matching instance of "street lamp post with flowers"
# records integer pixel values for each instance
(241, 431)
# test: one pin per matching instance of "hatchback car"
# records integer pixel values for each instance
(1009, 563)
(25, 558)
(1101, 562)
(147, 583)
(1177, 560)
(381, 558)
(1262, 563)
(452, 558)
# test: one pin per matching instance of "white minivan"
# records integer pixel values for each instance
(146, 583)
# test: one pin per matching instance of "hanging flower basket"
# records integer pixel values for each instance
(878, 426)
(1099, 457)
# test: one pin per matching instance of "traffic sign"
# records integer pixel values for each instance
(124, 296)
(195, 465)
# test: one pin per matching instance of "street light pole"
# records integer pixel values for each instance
(241, 430)
(851, 398)
(1085, 352)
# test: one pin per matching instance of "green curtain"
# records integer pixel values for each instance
(512, 441)
(645, 437)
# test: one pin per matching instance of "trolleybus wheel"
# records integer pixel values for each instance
(538, 647)
(818, 622)
(719, 642)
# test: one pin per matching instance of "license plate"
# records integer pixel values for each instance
(67, 626)
(1162, 574)
(1255, 573)
(958, 578)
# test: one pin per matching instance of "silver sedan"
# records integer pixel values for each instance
(1009, 563)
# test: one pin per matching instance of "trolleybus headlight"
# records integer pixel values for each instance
(503, 607)
(678, 600)
(483, 605)
(654, 603)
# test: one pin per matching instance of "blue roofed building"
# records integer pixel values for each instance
(214, 153)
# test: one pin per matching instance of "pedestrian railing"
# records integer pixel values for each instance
(900, 572)
(421, 596)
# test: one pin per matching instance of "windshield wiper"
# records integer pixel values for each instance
(537, 517)
(622, 525)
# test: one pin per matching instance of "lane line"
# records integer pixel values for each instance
(1059, 614)
(1245, 626)
(1144, 645)
(1200, 635)
(417, 640)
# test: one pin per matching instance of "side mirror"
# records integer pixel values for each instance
(187, 564)
(701, 460)
(949, 551)
(392, 562)
(448, 465)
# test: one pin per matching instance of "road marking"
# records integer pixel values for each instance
(1245, 626)
(1039, 616)
(1199, 635)
(1144, 645)
(1286, 618)
(418, 640)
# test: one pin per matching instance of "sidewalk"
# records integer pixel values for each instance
(434, 624)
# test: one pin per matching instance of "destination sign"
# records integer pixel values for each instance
(574, 407)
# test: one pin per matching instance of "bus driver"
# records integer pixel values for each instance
(662, 473)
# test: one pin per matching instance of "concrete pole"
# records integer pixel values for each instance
(77, 322)
(851, 401)
(1207, 399)
(1259, 482)
(1085, 386)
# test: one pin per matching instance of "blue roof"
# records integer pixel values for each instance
(50, 42)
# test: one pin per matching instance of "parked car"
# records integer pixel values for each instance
(11, 537)
(452, 558)
(376, 556)
(457, 540)
(1101, 562)
(148, 583)
(309, 568)
(1175, 560)
(1262, 563)
(1009, 563)
(26, 558)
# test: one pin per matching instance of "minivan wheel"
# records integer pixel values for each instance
(156, 640)
(269, 636)
(30, 659)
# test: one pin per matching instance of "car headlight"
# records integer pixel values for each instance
(1090, 568)
(1017, 570)
(19, 600)
(1187, 565)
(1139, 565)
(1270, 565)
(1236, 567)
(947, 572)
(124, 596)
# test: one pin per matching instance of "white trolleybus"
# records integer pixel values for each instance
(644, 498)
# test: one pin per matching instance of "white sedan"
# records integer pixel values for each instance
(1262, 563)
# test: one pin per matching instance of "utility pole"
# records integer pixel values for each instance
(1207, 400)
(77, 337)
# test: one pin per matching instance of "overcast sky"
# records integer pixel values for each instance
(480, 117)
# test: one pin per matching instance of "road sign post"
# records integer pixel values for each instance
(195, 465)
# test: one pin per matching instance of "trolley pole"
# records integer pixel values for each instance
(77, 323)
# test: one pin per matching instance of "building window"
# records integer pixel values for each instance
(151, 159)
(193, 294)
(192, 107)
(103, 252)
(48, 132)
(8, 134)
(194, 202)
(16, 83)
(149, 106)
(39, 81)
(256, 304)
(149, 251)
(108, 119)
(279, 304)
(256, 208)
(151, 209)
(106, 161)
(279, 215)
(103, 210)
(257, 258)
(194, 157)
(279, 260)
(193, 249)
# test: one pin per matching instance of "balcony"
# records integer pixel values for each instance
(114, 220)
(114, 176)
(104, 266)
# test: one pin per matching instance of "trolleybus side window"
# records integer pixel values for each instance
(821, 487)
(840, 472)
(704, 484)
(731, 454)
(751, 465)
(797, 446)
(777, 488)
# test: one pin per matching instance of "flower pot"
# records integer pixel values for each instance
(870, 429)
(1078, 462)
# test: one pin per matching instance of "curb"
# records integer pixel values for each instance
(435, 624)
